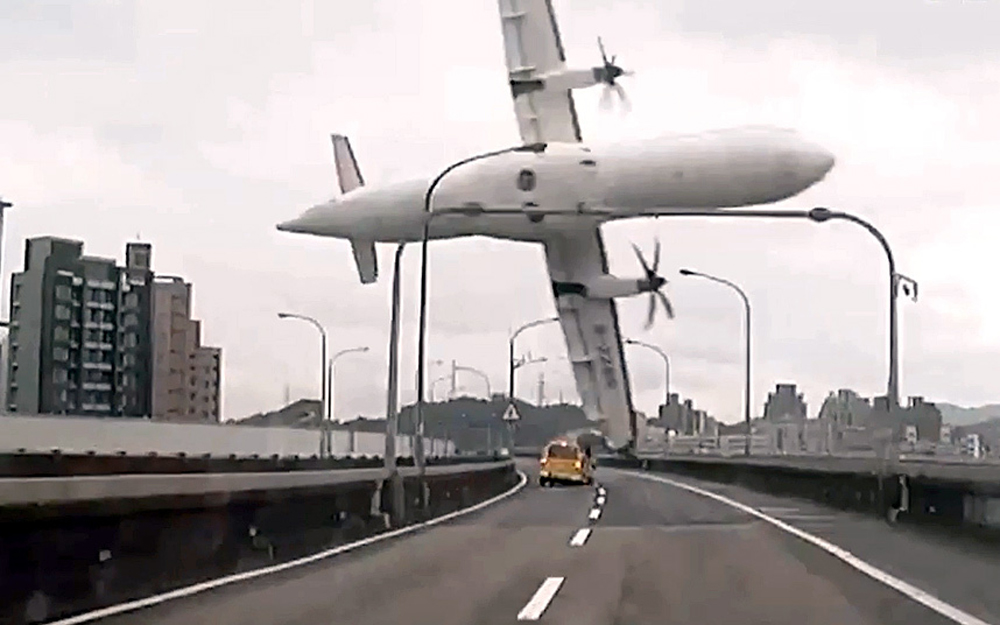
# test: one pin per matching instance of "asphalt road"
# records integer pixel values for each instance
(655, 554)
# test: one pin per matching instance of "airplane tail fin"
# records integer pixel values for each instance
(348, 173)
(349, 177)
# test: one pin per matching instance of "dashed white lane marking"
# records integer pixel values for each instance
(601, 492)
(601, 500)
(533, 610)
(916, 594)
(595, 513)
(580, 537)
(194, 589)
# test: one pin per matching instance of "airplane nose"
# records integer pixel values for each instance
(818, 160)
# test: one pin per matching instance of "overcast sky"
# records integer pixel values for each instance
(199, 125)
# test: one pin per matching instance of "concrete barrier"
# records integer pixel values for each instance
(63, 555)
(964, 496)
(134, 436)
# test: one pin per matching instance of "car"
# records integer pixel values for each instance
(565, 462)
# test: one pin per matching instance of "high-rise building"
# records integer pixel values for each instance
(785, 403)
(186, 374)
(79, 339)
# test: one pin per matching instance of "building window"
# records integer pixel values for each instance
(131, 320)
(132, 300)
(60, 333)
(59, 376)
(131, 339)
(62, 312)
(60, 354)
(64, 292)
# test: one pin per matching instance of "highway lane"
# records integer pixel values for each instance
(657, 554)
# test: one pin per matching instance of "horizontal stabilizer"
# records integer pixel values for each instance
(348, 173)
(366, 260)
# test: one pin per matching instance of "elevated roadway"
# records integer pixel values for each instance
(659, 550)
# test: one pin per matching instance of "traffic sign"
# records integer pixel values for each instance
(511, 413)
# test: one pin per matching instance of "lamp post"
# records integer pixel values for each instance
(896, 282)
(422, 323)
(512, 364)
(746, 305)
(483, 376)
(323, 449)
(666, 365)
(330, 376)
(818, 215)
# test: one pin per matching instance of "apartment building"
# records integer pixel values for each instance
(186, 374)
(79, 340)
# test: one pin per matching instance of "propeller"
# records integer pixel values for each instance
(608, 73)
(652, 283)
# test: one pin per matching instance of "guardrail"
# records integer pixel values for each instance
(57, 464)
(70, 548)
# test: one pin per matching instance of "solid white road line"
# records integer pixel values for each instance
(580, 537)
(267, 570)
(595, 514)
(916, 594)
(532, 611)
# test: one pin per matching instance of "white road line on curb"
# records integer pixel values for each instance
(580, 537)
(916, 594)
(595, 514)
(601, 500)
(194, 589)
(532, 611)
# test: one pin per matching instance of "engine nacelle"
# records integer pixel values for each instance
(604, 287)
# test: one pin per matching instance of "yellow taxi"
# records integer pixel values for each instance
(563, 461)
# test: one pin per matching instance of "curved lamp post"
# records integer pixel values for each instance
(666, 365)
(323, 448)
(746, 305)
(422, 324)
(818, 215)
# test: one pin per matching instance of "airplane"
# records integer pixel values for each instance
(719, 169)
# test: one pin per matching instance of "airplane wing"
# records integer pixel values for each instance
(593, 337)
(533, 49)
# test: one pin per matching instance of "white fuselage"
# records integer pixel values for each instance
(719, 169)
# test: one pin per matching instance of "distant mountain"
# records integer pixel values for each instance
(472, 424)
(957, 415)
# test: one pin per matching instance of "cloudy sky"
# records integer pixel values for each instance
(199, 125)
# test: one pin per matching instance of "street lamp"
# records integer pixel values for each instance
(485, 378)
(666, 365)
(897, 281)
(512, 364)
(598, 215)
(330, 379)
(422, 324)
(746, 305)
(323, 449)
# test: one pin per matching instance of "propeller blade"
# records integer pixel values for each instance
(606, 98)
(656, 255)
(604, 57)
(652, 311)
(626, 104)
(667, 308)
(642, 261)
